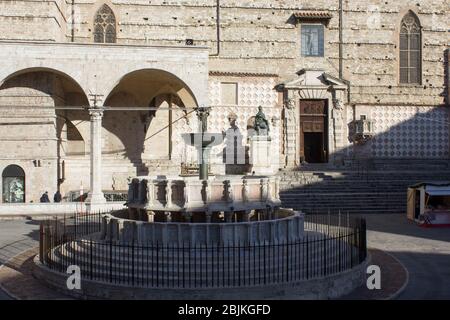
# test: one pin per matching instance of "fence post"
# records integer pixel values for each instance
(157, 264)
(324, 240)
(76, 224)
(339, 250)
(359, 240)
(110, 261)
(41, 243)
(132, 262)
(287, 260)
(307, 257)
(90, 258)
(364, 229)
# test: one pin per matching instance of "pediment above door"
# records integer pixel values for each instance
(313, 78)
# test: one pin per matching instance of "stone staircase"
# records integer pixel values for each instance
(377, 186)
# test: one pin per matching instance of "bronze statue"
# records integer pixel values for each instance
(261, 123)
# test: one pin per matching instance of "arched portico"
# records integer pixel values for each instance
(33, 98)
(106, 71)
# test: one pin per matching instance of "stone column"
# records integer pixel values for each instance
(96, 195)
(150, 216)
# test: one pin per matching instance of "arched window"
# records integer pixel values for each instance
(13, 180)
(410, 50)
(105, 25)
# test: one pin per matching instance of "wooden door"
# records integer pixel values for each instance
(314, 131)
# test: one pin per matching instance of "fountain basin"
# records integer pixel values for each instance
(287, 226)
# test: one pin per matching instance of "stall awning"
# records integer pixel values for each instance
(438, 190)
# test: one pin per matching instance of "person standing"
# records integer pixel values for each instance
(57, 197)
(44, 198)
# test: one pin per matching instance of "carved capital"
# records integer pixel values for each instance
(96, 113)
(290, 103)
(338, 104)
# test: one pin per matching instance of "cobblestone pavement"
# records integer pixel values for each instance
(16, 236)
(424, 252)
(393, 278)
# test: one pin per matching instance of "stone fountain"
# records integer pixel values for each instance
(203, 141)
(207, 210)
(220, 237)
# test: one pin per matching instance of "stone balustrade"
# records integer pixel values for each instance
(234, 194)
(288, 227)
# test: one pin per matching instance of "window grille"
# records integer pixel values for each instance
(105, 25)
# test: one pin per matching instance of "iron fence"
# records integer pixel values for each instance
(332, 244)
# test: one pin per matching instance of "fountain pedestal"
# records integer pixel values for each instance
(261, 157)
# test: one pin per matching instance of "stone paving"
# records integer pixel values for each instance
(394, 277)
(16, 278)
(16, 236)
(424, 252)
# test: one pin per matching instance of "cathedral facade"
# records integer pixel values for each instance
(94, 92)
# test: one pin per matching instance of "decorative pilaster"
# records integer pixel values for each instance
(168, 193)
(207, 192)
(96, 195)
(264, 191)
(290, 130)
(186, 193)
(150, 193)
(228, 191)
(245, 191)
(338, 129)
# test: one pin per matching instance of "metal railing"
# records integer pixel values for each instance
(332, 244)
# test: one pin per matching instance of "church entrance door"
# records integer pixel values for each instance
(314, 131)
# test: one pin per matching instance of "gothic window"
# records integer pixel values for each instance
(13, 180)
(410, 50)
(312, 40)
(105, 25)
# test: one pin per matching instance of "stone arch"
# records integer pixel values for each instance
(166, 79)
(164, 101)
(40, 92)
(62, 74)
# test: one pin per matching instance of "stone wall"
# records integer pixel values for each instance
(259, 48)
(44, 20)
(261, 36)
(404, 132)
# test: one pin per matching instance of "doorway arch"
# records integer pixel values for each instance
(13, 184)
